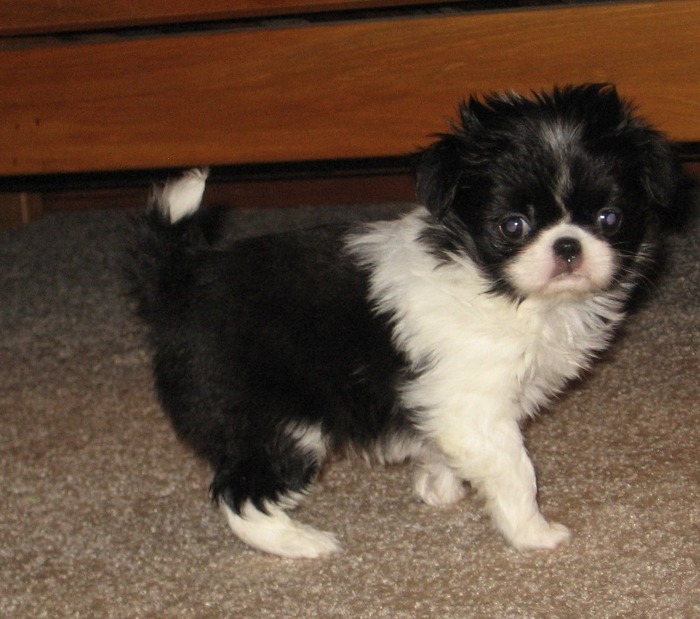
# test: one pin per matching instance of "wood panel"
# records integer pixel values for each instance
(42, 16)
(344, 90)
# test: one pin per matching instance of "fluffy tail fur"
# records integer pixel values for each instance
(159, 263)
(181, 198)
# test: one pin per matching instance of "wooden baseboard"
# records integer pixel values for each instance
(19, 208)
(692, 170)
(266, 193)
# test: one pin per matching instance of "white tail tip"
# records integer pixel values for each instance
(182, 197)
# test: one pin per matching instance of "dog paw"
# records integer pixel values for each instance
(437, 487)
(307, 543)
(540, 535)
(275, 532)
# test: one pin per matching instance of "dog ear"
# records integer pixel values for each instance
(439, 174)
(660, 170)
(657, 162)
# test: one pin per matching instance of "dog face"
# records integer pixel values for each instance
(555, 195)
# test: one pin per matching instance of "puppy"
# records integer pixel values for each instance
(430, 337)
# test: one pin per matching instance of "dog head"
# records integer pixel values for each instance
(557, 194)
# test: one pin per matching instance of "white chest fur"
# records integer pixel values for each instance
(472, 348)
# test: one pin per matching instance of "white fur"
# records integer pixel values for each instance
(182, 197)
(534, 270)
(395, 449)
(275, 532)
(486, 363)
(435, 483)
(310, 440)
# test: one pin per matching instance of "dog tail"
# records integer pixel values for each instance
(179, 199)
(161, 260)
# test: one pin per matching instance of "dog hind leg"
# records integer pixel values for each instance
(257, 492)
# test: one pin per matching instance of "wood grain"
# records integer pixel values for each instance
(342, 90)
(42, 16)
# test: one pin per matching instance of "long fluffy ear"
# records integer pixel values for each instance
(439, 174)
(656, 159)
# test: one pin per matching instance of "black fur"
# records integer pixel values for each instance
(232, 373)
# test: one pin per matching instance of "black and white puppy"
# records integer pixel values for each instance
(430, 337)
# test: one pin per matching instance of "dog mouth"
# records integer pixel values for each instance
(566, 268)
(571, 277)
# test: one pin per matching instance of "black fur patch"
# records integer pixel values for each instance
(268, 331)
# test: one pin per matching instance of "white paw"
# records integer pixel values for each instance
(538, 534)
(305, 542)
(275, 532)
(437, 486)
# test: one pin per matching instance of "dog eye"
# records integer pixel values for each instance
(609, 220)
(515, 227)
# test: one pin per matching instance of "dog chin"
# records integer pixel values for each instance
(571, 285)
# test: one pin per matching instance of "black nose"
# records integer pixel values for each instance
(567, 248)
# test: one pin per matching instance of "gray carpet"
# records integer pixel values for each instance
(104, 514)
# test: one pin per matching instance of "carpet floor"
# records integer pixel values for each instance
(104, 514)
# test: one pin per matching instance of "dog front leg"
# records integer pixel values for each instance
(494, 459)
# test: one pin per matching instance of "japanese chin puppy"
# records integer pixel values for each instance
(430, 337)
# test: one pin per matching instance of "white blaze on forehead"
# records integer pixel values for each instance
(562, 186)
(559, 136)
(534, 271)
